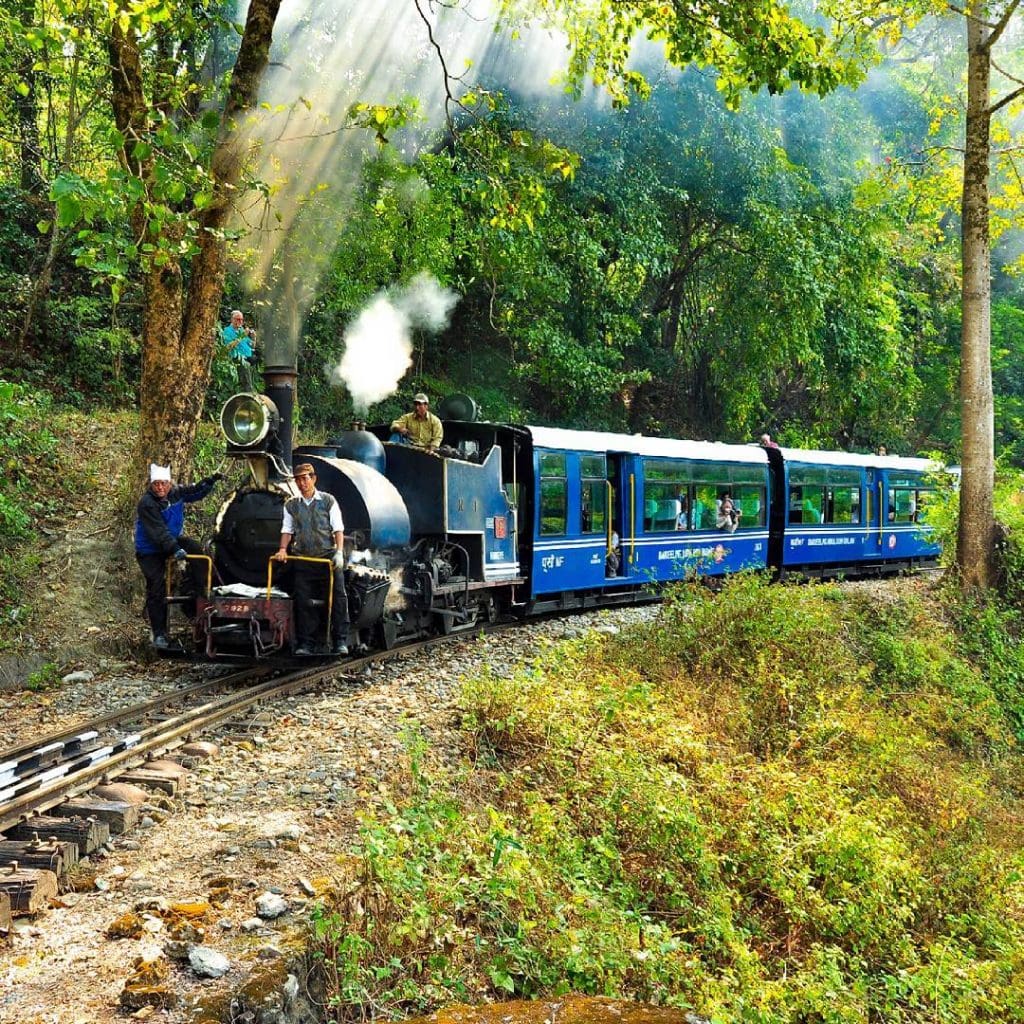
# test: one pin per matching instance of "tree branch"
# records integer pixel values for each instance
(1000, 26)
(1006, 74)
(449, 96)
(1008, 98)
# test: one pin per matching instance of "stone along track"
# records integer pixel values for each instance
(50, 774)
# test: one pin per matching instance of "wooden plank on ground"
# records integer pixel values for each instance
(118, 814)
(87, 834)
(29, 891)
(30, 854)
(162, 781)
(5, 914)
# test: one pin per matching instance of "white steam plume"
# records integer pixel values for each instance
(378, 343)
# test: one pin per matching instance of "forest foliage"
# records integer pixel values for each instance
(673, 266)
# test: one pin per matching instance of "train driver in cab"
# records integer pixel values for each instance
(313, 526)
(419, 428)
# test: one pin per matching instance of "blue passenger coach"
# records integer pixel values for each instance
(613, 511)
(847, 511)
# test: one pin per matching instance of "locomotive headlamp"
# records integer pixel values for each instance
(247, 419)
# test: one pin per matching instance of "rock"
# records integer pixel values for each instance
(306, 886)
(200, 750)
(78, 677)
(270, 905)
(290, 990)
(176, 950)
(208, 963)
(269, 953)
(121, 791)
(608, 629)
(252, 924)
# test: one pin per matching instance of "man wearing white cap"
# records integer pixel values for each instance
(420, 428)
(159, 520)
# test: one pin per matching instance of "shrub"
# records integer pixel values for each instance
(773, 805)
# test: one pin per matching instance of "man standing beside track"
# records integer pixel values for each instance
(313, 526)
(159, 520)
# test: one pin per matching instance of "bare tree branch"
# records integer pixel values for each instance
(1008, 98)
(1000, 26)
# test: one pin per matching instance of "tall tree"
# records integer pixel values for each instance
(183, 261)
(986, 25)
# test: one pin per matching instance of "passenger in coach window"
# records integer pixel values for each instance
(683, 516)
(728, 517)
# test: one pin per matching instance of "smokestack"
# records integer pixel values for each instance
(279, 386)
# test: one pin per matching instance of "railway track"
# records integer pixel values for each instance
(52, 773)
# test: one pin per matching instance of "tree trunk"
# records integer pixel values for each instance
(30, 153)
(178, 330)
(975, 543)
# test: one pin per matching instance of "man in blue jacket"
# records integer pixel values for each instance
(159, 521)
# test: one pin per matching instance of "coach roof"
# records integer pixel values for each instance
(638, 444)
(890, 462)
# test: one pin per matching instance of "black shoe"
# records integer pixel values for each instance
(303, 651)
(161, 643)
(339, 650)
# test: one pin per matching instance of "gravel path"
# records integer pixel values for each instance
(271, 814)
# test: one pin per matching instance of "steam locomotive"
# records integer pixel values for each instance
(518, 520)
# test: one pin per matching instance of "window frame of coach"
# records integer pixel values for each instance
(703, 482)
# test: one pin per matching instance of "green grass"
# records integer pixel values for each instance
(773, 805)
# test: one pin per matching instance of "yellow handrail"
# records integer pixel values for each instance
(329, 562)
(883, 512)
(608, 515)
(632, 518)
(209, 572)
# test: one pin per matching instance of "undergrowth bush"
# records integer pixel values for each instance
(771, 805)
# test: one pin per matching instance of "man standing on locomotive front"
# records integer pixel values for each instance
(159, 520)
(313, 526)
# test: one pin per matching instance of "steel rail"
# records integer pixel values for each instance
(166, 735)
(128, 713)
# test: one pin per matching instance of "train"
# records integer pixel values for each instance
(515, 521)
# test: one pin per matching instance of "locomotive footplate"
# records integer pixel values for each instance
(237, 626)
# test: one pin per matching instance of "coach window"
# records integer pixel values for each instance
(843, 497)
(593, 494)
(554, 493)
(807, 493)
(666, 495)
(748, 496)
(710, 484)
(903, 500)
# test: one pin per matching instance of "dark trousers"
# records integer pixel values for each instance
(309, 583)
(154, 568)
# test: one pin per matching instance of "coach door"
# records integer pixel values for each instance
(874, 514)
(622, 497)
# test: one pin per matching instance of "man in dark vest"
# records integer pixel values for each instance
(159, 520)
(313, 527)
